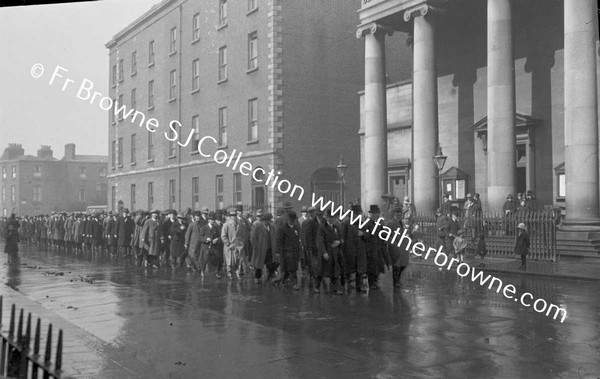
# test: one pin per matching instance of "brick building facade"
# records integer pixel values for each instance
(274, 81)
(40, 184)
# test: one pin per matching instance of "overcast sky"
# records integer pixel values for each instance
(33, 112)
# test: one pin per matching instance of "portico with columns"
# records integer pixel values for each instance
(508, 89)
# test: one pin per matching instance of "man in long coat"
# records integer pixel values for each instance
(289, 248)
(399, 255)
(262, 238)
(210, 235)
(310, 227)
(192, 242)
(377, 257)
(329, 244)
(354, 249)
(151, 234)
(232, 235)
(125, 230)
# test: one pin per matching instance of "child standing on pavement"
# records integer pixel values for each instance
(460, 244)
(481, 249)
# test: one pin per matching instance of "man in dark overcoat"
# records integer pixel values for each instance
(192, 242)
(329, 247)
(522, 245)
(125, 230)
(262, 238)
(354, 248)
(377, 257)
(398, 254)
(289, 248)
(309, 230)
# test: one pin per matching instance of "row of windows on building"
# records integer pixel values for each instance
(117, 145)
(37, 194)
(118, 70)
(37, 172)
(172, 193)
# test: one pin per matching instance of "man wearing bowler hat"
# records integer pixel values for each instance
(376, 247)
(354, 249)
(309, 230)
(329, 242)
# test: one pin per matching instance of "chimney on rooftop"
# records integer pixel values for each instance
(45, 152)
(70, 152)
(12, 151)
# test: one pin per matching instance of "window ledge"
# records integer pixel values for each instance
(252, 11)
(254, 141)
(151, 64)
(194, 41)
(172, 53)
(150, 160)
(133, 74)
(222, 81)
(221, 147)
(121, 80)
(195, 91)
(119, 166)
(172, 99)
(151, 108)
(114, 85)
(221, 26)
(194, 152)
(251, 70)
(132, 164)
(172, 156)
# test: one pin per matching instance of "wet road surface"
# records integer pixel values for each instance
(174, 324)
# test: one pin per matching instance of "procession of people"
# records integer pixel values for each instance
(285, 250)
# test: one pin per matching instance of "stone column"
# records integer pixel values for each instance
(375, 111)
(581, 113)
(501, 157)
(425, 109)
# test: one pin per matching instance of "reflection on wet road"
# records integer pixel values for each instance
(437, 325)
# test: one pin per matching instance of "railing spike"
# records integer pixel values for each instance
(11, 329)
(59, 347)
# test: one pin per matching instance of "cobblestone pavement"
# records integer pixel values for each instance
(123, 321)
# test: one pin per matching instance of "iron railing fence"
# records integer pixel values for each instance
(18, 360)
(500, 233)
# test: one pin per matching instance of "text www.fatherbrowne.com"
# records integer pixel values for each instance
(383, 232)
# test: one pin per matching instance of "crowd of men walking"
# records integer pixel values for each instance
(278, 250)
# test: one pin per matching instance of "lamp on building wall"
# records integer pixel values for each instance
(341, 170)
(440, 160)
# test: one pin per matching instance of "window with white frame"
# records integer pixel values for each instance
(133, 98)
(120, 152)
(150, 195)
(252, 51)
(222, 12)
(237, 188)
(150, 53)
(133, 157)
(12, 194)
(37, 193)
(4, 194)
(121, 70)
(195, 75)
(196, 193)
(114, 75)
(172, 85)
(133, 62)
(196, 27)
(173, 41)
(120, 103)
(3, 172)
(14, 172)
(219, 192)
(132, 197)
(150, 146)
(114, 155)
(253, 120)
(172, 190)
(82, 174)
(196, 126)
(37, 171)
(82, 195)
(222, 63)
(223, 126)
(151, 94)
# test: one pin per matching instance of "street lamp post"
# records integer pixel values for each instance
(341, 170)
(440, 160)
